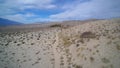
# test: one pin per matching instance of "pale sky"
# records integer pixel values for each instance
(30, 11)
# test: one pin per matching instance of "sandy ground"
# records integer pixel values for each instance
(90, 45)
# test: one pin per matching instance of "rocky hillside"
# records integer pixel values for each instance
(91, 45)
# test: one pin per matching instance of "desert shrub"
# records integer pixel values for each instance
(13, 53)
(15, 41)
(97, 51)
(6, 44)
(52, 59)
(82, 41)
(77, 45)
(56, 25)
(31, 37)
(38, 39)
(32, 43)
(118, 47)
(18, 60)
(91, 59)
(23, 42)
(38, 52)
(35, 63)
(78, 66)
(105, 60)
(61, 63)
(24, 60)
(18, 44)
(61, 57)
(88, 35)
(1, 51)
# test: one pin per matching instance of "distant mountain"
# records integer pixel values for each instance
(6, 22)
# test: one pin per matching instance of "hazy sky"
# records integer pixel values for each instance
(28, 11)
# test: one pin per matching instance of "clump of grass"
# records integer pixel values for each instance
(56, 25)
(65, 41)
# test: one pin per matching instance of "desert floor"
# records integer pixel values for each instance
(95, 44)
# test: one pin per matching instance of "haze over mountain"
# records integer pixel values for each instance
(6, 22)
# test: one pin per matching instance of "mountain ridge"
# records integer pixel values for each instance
(6, 22)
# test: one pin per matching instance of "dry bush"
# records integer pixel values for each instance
(88, 35)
